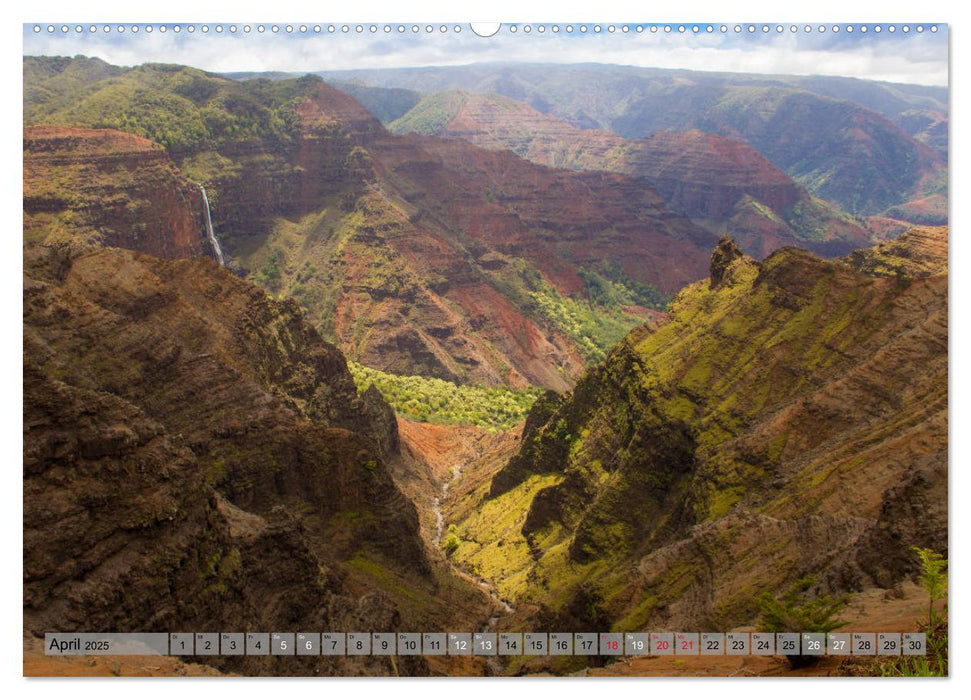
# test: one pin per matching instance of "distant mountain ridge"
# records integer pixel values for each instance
(899, 102)
(720, 183)
(866, 155)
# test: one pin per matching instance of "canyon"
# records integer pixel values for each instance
(734, 384)
(776, 424)
(416, 255)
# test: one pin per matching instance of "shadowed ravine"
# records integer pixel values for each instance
(507, 607)
(501, 607)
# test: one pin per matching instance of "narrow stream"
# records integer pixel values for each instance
(502, 607)
(437, 504)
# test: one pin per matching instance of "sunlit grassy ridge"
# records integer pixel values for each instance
(430, 400)
(436, 111)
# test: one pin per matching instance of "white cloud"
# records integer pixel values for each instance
(920, 59)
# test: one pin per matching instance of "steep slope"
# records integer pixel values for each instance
(112, 188)
(195, 455)
(454, 239)
(720, 183)
(840, 150)
(788, 418)
(416, 255)
(387, 104)
(919, 252)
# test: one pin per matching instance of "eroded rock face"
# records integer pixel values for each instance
(707, 174)
(436, 229)
(194, 454)
(431, 230)
(111, 188)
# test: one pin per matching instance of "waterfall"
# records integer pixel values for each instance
(210, 232)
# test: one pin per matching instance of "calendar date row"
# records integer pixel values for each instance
(489, 644)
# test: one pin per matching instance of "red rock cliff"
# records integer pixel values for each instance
(110, 187)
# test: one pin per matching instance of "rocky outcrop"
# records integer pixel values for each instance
(725, 254)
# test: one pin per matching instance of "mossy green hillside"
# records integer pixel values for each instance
(491, 543)
(692, 422)
(430, 116)
(596, 319)
(241, 140)
(419, 600)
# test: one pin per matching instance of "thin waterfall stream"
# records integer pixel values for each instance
(209, 231)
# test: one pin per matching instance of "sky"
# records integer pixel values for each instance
(911, 57)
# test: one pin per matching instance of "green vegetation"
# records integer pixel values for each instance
(667, 418)
(303, 259)
(418, 598)
(592, 330)
(452, 541)
(269, 275)
(800, 610)
(813, 219)
(431, 115)
(430, 400)
(933, 577)
(595, 321)
(178, 107)
(911, 255)
(611, 288)
(387, 104)
(57, 80)
(314, 256)
(491, 541)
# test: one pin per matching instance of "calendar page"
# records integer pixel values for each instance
(485, 350)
